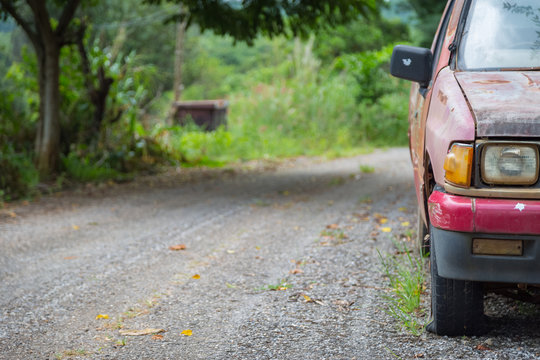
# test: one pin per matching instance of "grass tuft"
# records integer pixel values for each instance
(405, 274)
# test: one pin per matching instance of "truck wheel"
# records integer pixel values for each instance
(457, 306)
(422, 242)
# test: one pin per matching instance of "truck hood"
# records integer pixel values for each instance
(504, 103)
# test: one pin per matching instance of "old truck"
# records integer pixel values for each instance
(474, 131)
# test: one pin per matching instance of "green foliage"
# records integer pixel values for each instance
(361, 35)
(245, 20)
(18, 176)
(287, 97)
(405, 274)
(83, 169)
(427, 14)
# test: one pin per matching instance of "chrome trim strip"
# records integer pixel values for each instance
(505, 193)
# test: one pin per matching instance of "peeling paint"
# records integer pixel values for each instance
(532, 82)
(505, 103)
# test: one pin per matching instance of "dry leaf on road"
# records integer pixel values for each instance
(141, 332)
(482, 347)
(177, 247)
(196, 277)
(102, 316)
(187, 332)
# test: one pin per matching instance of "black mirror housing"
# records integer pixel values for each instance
(412, 63)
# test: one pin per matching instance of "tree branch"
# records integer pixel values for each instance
(66, 17)
(7, 5)
(41, 17)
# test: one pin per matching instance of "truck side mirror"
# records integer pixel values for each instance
(412, 63)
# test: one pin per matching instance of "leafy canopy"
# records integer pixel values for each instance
(245, 19)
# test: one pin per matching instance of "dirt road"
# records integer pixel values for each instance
(279, 263)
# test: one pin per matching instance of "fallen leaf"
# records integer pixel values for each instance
(102, 316)
(157, 337)
(378, 216)
(177, 247)
(257, 248)
(308, 299)
(418, 356)
(403, 208)
(196, 277)
(70, 257)
(332, 226)
(405, 223)
(187, 332)
(383, 221)
(296, 271)
(230, 251)
(26, 203)
(141, 332)
(482, 347)
(373, 233)
(386, 229)
(12, 214)
(75, 227)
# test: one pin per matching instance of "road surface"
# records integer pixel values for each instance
(280, 262)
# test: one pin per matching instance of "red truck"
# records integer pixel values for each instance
(474, 135)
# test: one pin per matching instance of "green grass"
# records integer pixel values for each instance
(282, 284)
(405, 274)
(366, 169)
(82, 169)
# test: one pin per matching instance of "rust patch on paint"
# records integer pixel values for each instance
(443, 98)
(491, 81)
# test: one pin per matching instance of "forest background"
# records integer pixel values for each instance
(327, 93)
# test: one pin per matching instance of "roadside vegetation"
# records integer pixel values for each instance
(324, 94)
(405, 272)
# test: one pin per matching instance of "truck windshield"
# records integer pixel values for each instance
(501, 34)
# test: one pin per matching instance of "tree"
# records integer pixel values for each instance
(244, 20)
(428, 13)
(47, 37)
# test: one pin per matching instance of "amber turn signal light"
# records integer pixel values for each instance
(458, 165)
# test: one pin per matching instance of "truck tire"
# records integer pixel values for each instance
(457, 306)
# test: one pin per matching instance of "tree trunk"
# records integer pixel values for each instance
(178, 60)
(48, 133)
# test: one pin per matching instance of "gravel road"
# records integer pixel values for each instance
(281, 262)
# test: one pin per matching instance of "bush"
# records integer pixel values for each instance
(18, 176)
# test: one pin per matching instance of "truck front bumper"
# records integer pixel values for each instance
(458, 220)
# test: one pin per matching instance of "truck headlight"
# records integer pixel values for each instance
(510, 164)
